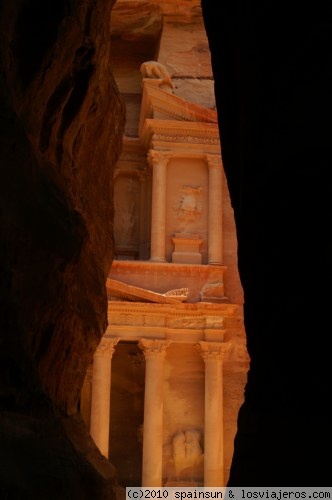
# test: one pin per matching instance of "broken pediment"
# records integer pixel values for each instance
(157, 100)
(119, 290)
(169, 121)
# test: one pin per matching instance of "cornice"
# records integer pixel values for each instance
(194, 310)
(164, 268)
(179, 132)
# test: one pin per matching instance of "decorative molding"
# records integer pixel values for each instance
(186, 139)
(199, 310)
(166, 268)
(176, 131)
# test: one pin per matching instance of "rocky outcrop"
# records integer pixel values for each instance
(272, 70)
(61, 127)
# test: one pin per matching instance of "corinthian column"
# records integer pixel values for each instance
(101, 394)
(158, 160)
(212, 353)
(154, 352)
(215, 209)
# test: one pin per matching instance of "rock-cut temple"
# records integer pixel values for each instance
(162, 395)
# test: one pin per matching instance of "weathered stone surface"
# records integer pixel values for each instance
(61, 126)
(272, 70)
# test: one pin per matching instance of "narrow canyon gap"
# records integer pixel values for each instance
(272, 70)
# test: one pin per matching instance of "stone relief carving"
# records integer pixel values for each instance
(190, 206)
(187, 450)
(213, 290)
(154, 69)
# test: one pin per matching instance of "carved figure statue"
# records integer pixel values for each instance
(187, 450)
(154, 69)
(193, 447)
(189, 208)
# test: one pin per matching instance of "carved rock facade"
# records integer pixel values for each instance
(173, 230)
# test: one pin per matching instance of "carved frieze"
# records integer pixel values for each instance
(186, 139)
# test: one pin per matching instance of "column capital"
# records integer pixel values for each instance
(154, 348)
(212, 350)
(213, 160)
(106, 347)
(156, 157)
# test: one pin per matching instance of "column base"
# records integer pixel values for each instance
(157, 259)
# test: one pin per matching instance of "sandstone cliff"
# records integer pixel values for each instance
(61, 128)
(272, 70)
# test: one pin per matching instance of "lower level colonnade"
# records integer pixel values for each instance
(154, 353)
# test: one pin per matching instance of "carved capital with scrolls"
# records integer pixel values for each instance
(154, 349)
(213, 161)
(212, 351)
(156, 158)
(106, 347)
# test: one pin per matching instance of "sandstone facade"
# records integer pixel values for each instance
(163, 394)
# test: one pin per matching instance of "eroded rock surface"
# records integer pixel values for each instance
(61, 127)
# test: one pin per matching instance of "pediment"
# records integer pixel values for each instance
(168, 120)
(123, 291)
(162, 104)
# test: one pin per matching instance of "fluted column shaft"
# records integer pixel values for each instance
(154, 352)
(159, 161)
(212, 353)
(101, 394)
(215, 255)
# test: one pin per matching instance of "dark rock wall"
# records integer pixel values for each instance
(61, 123)
(272, 69)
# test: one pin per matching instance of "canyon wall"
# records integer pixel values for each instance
(61, 126)
(272, 70)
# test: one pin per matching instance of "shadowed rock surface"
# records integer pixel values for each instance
(61, 128)
(272, 70)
